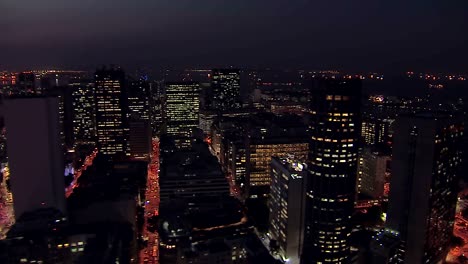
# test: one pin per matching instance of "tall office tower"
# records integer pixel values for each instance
(425, 169)
(65, 112)
(334, 133)
(34, 154)
(287, 207)
(139, 119)
(225, 85)
(373, 173)
(182, 110)
(138, 99)
(376, 131)
(140, 139)
(84, 123)
(111, 112)
(156, 102)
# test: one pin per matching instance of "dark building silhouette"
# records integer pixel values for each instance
(27, 82)
(84, 110)
(34, 154)
(334, 133)
(139, 119)
(111, 111)
(225, 85)
(425, 170)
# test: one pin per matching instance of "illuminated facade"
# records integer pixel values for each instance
(334, 133)
(287, 207)
(111, 112)
(374, 173)
(425, 170)
(376, 131)
(182, 109)
(138, 100)
(237, 157)
(84, 124)
(260, 159)
(225, 84)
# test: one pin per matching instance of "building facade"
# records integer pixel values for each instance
(34, 154)
(334, 133)
(140, 133)
(374, 173)
(425, 171)
(260, 155)
(84, 110)
(182, 109)
(111, 112)
(287, 207)
(225, 85)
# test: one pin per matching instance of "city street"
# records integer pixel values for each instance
(150, 254)
(7, 217)
(78, 171)
(460, 229)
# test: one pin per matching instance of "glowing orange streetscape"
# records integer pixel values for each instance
(78, 172)
(150, 254)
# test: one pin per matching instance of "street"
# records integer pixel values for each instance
(7, 217)
(460, 229)
(78, 171)
(150, 254)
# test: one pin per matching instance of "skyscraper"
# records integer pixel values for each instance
(34, 154)
(156, 102)
(111, 111)
(139, 119)
(225, 84)
(425, 170)
(373, 172)
(138, 99)
(182, 109)
(84, 123)
(287, 207)
(334, 134)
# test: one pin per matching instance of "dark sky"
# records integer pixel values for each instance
(344, 34)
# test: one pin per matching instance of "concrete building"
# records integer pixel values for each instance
(374, 173)
(425, 170)
(190, 174)
(34, 153)
(287, 207)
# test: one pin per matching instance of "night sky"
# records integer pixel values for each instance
(360, 35)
